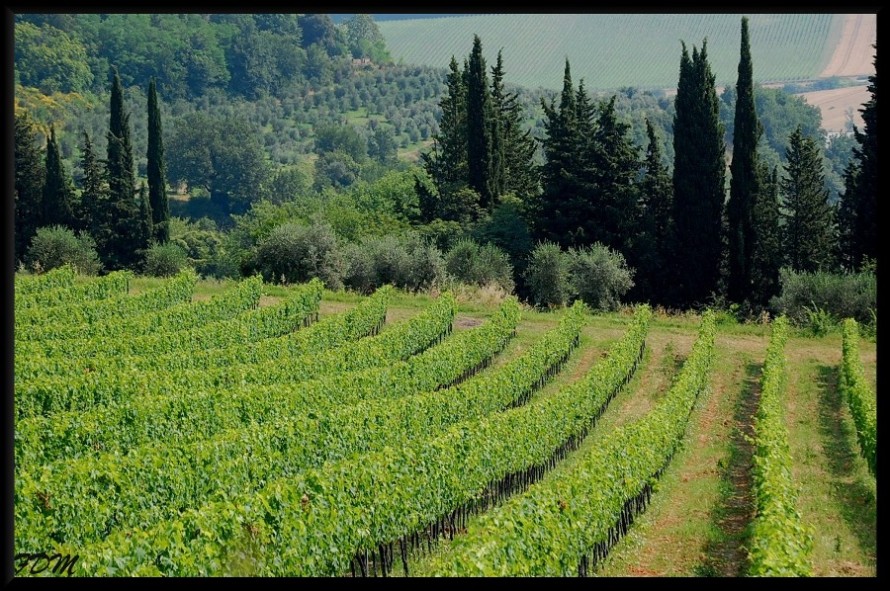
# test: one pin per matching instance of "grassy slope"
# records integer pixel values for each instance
(604, 49)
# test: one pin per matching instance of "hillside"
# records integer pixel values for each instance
(785, 47)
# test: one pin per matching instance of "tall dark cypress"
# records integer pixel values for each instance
(560, 183)
(743, 185)
(30, 174)
(808, 216)
(497, 170)
(651, 254)
(766, 255)
(699, 173)
(145, 230)
(157, 169)
(446, 163)
(121, 180)
(93, 198)
(520, 174)
(58, 192)
(478, 127)
(858, 215)
(614, 163)
(123, 217)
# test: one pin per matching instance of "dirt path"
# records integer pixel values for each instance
(837, 497)
(854, 53)
(702, 504)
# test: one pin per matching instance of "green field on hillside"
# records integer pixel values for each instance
(614, 50)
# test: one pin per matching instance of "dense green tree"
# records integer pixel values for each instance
(365, 40)
(121, 179)
(382, 145)
(145, 228)
(513, 166)
(121, 219)
(50, 59)
(253, 63)
(446, 163)
(589, 173)
(552, 217)
(858, 216)
(497, 174)
(337, 169)
(30, 174)
(808, 217)
(222, 156)
(766, 256)
(699, 172)
(507, 229)
(743, 185)
(93, 195)
(58, 192)
(280, 24)
(650, 254)
(330, 138)
(157, 169)
(319, 29)
(614, 165)
(479, 139)
(287, 183)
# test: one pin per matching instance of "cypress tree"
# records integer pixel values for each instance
(699, 173)
(809, 238)
(520, 174)
(766, 254)
(123, 208)
(496, 174)
(580, 202)
(614, 164)
(858, 216)
(651, 253)
(156, 170)
(479, 156)
(58, 192)
(846, 218)
(552, 220)
(145, 227)
(93, 197)
(446, 163)
(30, 175)
(743, 185)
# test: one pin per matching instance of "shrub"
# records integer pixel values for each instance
(294, 253)
(473, 264)
(819, 321)
(848, 295)
(409, 263)
(204, 247)
(599, 276)
(547, 275)
(164, 260)
(54, 246)
(507, 229)
(359, 271)
(427, 264)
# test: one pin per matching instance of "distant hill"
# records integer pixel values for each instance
(611, 51)
(339, 18)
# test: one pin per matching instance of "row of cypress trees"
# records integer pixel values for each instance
(481, 152)
(686, 240)
(122, 219)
